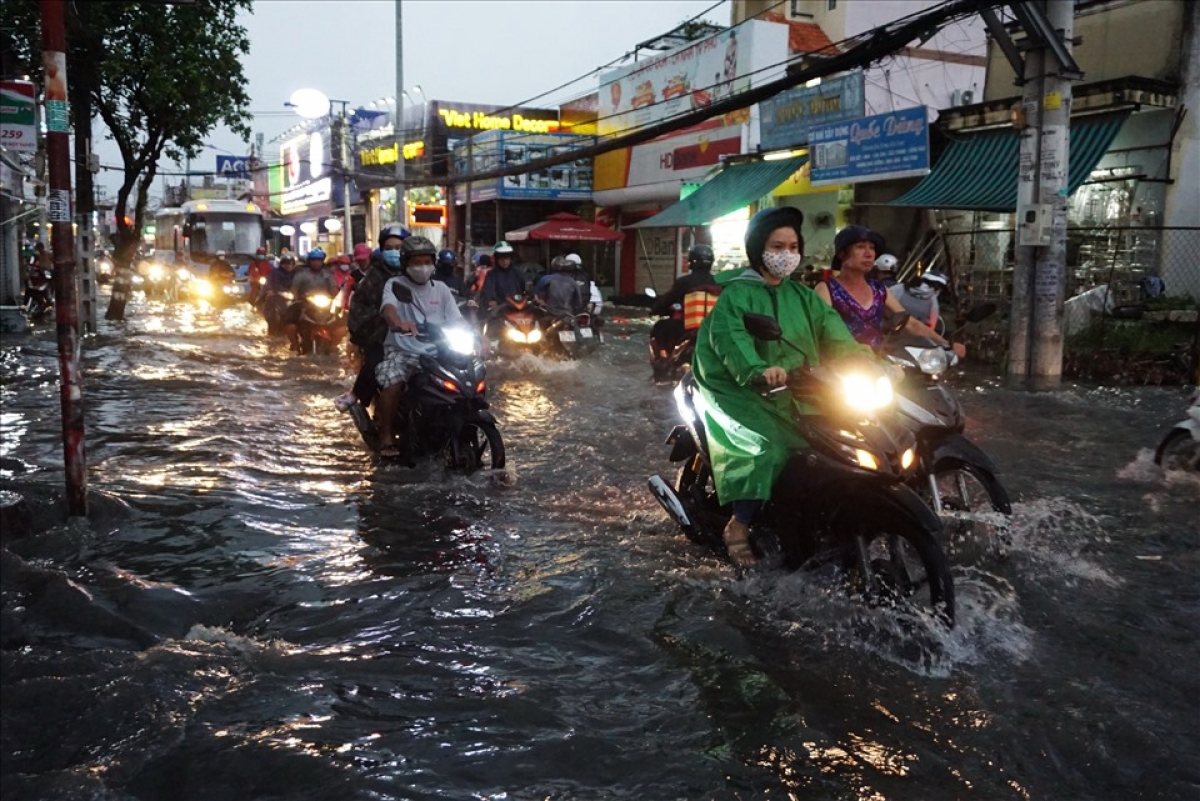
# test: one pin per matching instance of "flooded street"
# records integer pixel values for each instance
(260, 609)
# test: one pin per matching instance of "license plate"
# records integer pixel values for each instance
(566, 336)
(586, 333)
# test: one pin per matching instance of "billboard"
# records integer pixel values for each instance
(569, 181)
(307, 171)
(17, 129)
(786, 117)
(450, 124)
(894, 145)
(234, 167)
(691, 77)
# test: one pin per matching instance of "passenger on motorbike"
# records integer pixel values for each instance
(362, 261)
(365, 320)
(696, 292)
(317, 278)
(750, 436)
(431, 302)
(503, 280)
(919, 297)
(257, 274)
(447, 273)
(885, 270)
(588, 290)
(279, 280)
(557, 291)
(861, 301)
(220, 271)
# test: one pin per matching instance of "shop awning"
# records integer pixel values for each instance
(979, 171)
(734, 187)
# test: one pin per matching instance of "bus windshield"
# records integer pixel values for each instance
(213, 232)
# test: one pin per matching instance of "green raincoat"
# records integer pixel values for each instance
(751, 437)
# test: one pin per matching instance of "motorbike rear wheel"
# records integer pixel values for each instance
(896, 560)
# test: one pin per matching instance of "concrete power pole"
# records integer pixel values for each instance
(398, 128)
(1039, 277)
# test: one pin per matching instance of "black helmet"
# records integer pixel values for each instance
(393, 230)
(852, 235)
(447, 260)
(416, 246)
(762, 224)
(701, 257)
(559, 264)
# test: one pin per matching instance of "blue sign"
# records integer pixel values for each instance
(874, 148)
(234, 167)
(787, 117)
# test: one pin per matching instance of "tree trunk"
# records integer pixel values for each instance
(125, 244)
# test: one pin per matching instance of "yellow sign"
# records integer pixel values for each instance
(798, 184)
(387, 155)
(1052, 101)
(486, 122)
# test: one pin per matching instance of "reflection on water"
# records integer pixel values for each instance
(278, 614)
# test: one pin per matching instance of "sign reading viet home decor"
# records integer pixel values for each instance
(894, 145)
(787, 117)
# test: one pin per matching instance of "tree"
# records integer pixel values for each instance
(162, 76)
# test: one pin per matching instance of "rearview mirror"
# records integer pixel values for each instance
(401, 292)
(980, 312)
(762, 327)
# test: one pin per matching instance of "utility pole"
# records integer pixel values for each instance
(58, 197)
(85, 200)
(401, 208)
(1039, 275)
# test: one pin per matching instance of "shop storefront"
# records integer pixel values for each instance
(311, 199)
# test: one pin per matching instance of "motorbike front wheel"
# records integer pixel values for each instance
(696, 490)
(1178, 451)
(479, 446)
(972, 502)
(897, 560)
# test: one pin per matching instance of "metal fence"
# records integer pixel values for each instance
(1132, 293)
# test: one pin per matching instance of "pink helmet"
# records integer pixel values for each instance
(362, 251)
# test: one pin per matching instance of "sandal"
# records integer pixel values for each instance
(737, 544)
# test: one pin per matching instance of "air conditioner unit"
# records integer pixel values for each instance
(968, 97)
(956, 98)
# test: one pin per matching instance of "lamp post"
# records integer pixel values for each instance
(312, 104)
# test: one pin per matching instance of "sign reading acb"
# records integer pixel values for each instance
(234, 167)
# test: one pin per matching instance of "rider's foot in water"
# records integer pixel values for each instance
(344, 401)
(737, 544)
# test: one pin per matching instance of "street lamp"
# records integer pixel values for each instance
(313, 104)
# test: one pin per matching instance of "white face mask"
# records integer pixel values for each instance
(781, 263)
(922, 291)
(421, 274)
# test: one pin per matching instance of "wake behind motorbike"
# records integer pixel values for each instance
(571, 335)
(954, 474)
(841, 503)
(1179, 448)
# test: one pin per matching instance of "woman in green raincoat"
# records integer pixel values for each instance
(751, 437)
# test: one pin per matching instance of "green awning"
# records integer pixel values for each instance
(979, 171)
(734, 187)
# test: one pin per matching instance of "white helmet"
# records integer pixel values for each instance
(573, 258)
(886, 263)
(935, 277)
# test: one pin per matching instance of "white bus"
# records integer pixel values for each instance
(193, 234)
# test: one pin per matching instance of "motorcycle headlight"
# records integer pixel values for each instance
(460, 340)
(534, 336)
(516, 335)
(155, 273)
(866, 394)
(681, 404)
(320, 300)
(932, 361)
(865, 459)
(137, 280)
(201, 288)
(183, 274)
(907, 458)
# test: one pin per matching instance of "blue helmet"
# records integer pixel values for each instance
(316, 253)
(394, 230)
(447, 260)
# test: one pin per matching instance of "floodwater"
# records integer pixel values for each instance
(258, 609)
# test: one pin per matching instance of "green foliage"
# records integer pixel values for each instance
(161, 75)
(1169, 303)
(1129, 336)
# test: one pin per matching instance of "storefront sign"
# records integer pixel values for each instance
(234, 167)
(307, 194)
(787, 117)
(388, 154)
(874, 148)
(481, 121)
(692, 77)
(17, 118)
(449, 125)
(569, 181)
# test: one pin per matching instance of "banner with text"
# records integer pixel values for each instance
(877, 148)
(788, 116)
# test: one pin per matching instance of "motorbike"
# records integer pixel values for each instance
(843, 502)
(321, 327)
(671, 347)
(273, 307)
(518, 325)
(1179, 448)
(160, 281)
(572, 335)
(956, 476)
(39, 294)
(105, 270)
